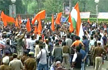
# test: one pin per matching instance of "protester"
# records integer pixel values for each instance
(16, 64)
(42, 56)
(57, 52)
(30, 62)
(77, 59)
(5, 65)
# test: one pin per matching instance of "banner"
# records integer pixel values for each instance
(85, 14)
(103, 15)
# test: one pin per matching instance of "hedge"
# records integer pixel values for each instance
(91, 20)
(95, 19)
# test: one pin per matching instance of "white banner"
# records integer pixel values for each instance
(85, 14)
(103, 15)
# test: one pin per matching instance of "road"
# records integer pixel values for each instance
(104, 66)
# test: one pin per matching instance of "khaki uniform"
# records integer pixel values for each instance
(5, 67)
(30, 64)
(65, 62)
(98, 57)
(20, 44)
(23, 58)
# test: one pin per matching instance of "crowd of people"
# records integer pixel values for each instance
(53, 50)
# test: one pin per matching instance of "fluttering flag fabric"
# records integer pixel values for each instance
(39, 27)
(19, 19)
(28, 26)
(35, 30)
(39, 16)
(6, 18)
(58, 18)
(4, 22)
(71, 29)
(88, 21)
(16, 23)
(52, 24)
(77, 21)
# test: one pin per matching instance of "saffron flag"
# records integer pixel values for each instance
(88, 21)
(19, 19)
(35, 30)
(57, 21)
(39, 27)
(6, 19)
(71, 24)
(52, 24)
(28, 26)
(39, 16)
(77, 21)
(4, 22)
(16, 23)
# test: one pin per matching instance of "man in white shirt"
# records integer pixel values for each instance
(42, 56)
(27, 41)
(91, 44)
(32, 44)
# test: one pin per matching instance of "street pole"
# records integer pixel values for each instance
(63, 8)
(97, 1)
(70, 5)
(97, 12)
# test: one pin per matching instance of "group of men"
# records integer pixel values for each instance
(58, 50)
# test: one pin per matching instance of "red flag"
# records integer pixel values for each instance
(39, 27)
(16, 23)
(52, 25)
(28, 25)
(39, 16)
(35, 30)
(58, 18)
(71, 24)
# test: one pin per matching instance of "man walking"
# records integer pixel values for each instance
(15, 63)
(98, 52)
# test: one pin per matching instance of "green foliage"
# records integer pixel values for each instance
(53, 6)
(30, 6)
(4, 6)
(94, 20)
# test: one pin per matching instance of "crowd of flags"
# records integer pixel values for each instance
(73, 19)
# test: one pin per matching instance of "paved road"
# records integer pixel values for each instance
(104, 66)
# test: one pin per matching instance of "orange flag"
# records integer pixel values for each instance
(35, 30)
(39, 16)
(7, 18)
(16, 23)
(88, 21)
(4, 21)
(52, 25)
(19, 19)
(71, 24)
(39, 27)
(28, 26)
(57, 21)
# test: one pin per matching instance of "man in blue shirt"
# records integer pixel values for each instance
(83, 59)
(86, 47)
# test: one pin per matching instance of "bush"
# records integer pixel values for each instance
(95, 19)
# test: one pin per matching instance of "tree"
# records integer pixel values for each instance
(53, 6)
(4, 6)
(30, 6)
